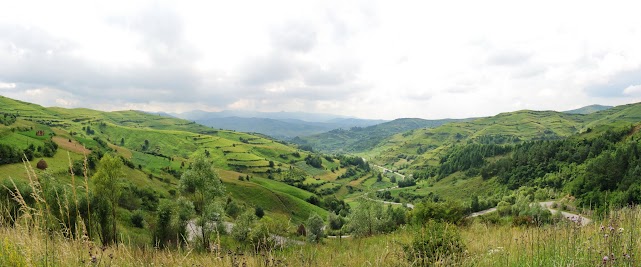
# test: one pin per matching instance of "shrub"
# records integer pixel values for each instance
(242, 229)
(435, 242)
(315, 228)
(259, 212)
(301, 231)
(260, 238)
(451, 211)
(138, 219)
(42, 164)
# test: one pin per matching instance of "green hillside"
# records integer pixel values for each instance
(158, 150)
(588, 109)
(425, 146)
(482, 157)
(449, 169)
(359, 139)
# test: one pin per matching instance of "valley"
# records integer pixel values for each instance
(513, 174)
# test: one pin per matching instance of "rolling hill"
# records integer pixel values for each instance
(423, 147)
(281, 125)
(588, 109)
(360, 139)
(157, 150)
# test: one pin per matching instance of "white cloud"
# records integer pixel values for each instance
(633, 90)
(7, 85)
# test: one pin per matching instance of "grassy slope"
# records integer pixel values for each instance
(401, 151)
(485, 244)
(175, 138)
(360, 139)
(526, 125)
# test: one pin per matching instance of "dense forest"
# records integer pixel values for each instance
(598, 170)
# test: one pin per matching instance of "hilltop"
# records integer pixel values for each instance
(281, 125)
(588, 109)
(427, 144)
(360, 139)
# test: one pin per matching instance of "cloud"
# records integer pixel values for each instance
(508, 58)
(268, 69)
(633, 90)
(162, 34)
(7, 85)
(363, 58)
(529, 71)
(616, 85)
(35, 57)
(294, 36)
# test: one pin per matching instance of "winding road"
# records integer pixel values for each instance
(193, 231)
(546, 204)
(388, 170)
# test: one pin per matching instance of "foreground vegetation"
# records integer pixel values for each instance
(610, 240)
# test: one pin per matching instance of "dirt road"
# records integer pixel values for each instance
(546, 204)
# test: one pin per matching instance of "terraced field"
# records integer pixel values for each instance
(158, 149)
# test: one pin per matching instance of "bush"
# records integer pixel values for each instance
(138, 219)
(451, 211)
(42, 164)
(315, 228)
(259, 212)
(435, 242)
(261, 239)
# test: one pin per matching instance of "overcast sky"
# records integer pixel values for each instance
(370, 59)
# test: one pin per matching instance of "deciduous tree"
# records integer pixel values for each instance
(202, 185)
(107, 186)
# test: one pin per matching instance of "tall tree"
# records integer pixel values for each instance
(107, 186)
(202, 185)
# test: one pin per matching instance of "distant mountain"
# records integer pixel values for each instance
(588, 109)
(276, 128)
(160, 113)
(303, 116)
(281, 125)
(358, 139)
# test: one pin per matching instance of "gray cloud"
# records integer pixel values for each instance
(285, 73)
(508, 58)
(261, 71)
(162, 32)
(34, 57)
(529, 71)
(351, 18)
(294, 36)
(616, 84)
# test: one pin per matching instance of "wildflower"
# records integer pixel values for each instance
(611, 228)
(605, 235)
(621, 230)
(605, 259)
(602, 227)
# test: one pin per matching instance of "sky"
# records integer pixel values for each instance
(367, 59)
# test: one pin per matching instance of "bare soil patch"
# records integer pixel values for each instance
(72, 146)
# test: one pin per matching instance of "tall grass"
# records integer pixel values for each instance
(563, 244)
(46, 231)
